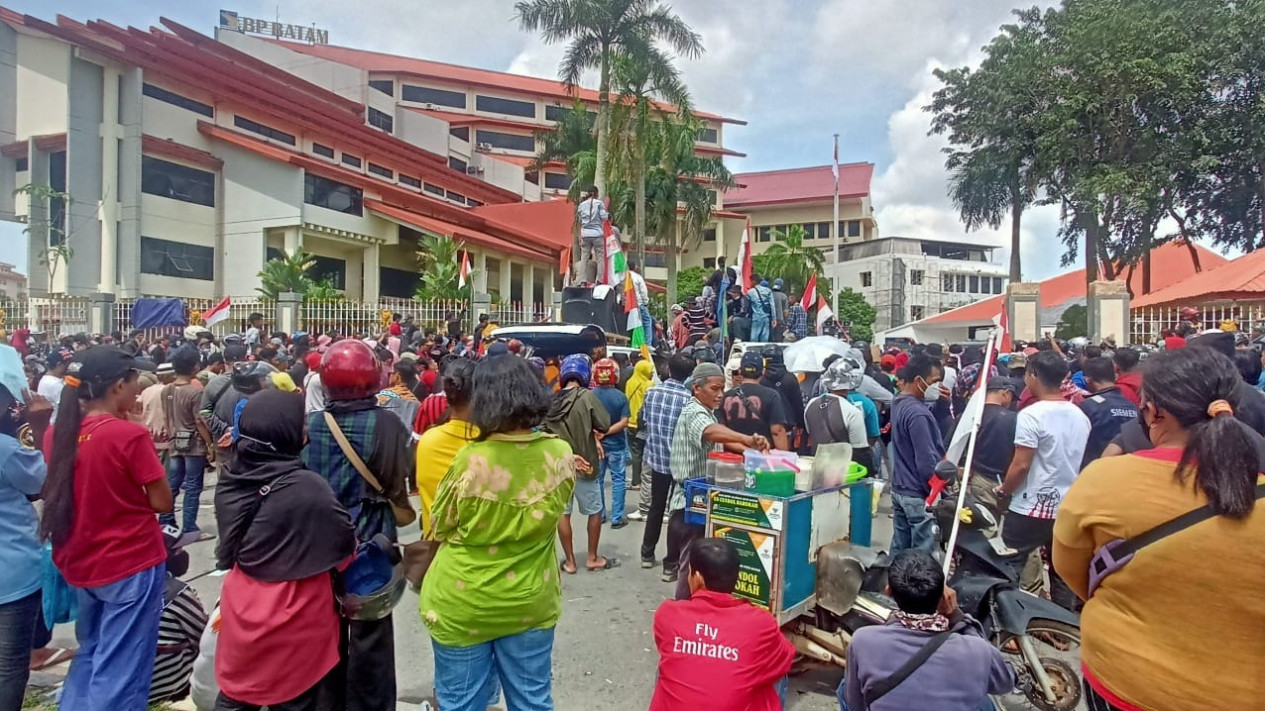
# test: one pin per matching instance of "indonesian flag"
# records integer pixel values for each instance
(616, 260)
(636, 330)
(1003, 323)
(464, 275)
(217, 313)
(824, 313)
(744, 258)
(834, 168)
(810, 293)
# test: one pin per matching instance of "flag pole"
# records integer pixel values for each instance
(834, 227)
(964, 478)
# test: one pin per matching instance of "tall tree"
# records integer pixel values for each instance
(596, 31)
(788, 257)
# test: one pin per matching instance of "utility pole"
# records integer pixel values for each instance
(834, 227)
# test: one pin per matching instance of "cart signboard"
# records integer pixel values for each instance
(756, 555)
(747, 509)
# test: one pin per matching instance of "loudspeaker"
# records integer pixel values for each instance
(581, 308)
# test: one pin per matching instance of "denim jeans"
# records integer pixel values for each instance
(912, 525)
(185, 474)
(117, 631)
(647, 325)
(615, 462)
(759, 330)
(17, 631)
(523, 662)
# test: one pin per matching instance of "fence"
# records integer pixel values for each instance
(1147, 324)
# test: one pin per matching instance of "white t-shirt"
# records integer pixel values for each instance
(1058, 431)
(639, 288)
(314, 393)
(51, 387)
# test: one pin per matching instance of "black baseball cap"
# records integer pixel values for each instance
(104, 364)
(752, 365)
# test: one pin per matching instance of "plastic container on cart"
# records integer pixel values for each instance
(804, 477)
(726, 470)
(774, 459)
(696, 501)
(774, 482)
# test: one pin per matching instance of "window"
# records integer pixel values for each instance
(867, 279)
(709, 234)
(823, 230)
(381, 120)
(267, 131)
(456, 197)
(329, 269)
(178, 182)
(708, 135)
(21, 165)
(386, 86)
(917, 313)
(473, 203)
(398, 283)
(557, 181)
(325, 151)
(709, 262)
(974, 285)
(554, 112)
(961, 283)
(462, 132)
(810, 230)
(332, 195)
(435, 189)
(379, 170)
(532, 177)
(427, 95)
(495, 105)
(353, 161)
(915, 277)
(764, 233)
(946, 282)
(57, 206)
(410, 181)
(998, 286)
(177, 259)
(655, 259)
(854, 228)
(457, 164)
(184, 102)
(509, 141)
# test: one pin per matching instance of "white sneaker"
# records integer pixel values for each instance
(636, 516)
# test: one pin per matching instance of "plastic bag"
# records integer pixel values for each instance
(61, 601)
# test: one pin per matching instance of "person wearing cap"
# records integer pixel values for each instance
(697, 435)
(752, 408)
(105, 483)
(781, 302)
(51, 384)
(832, 418)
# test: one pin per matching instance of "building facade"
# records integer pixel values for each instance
(12, 282)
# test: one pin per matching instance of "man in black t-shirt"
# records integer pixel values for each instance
(751, 408)
(995, 443)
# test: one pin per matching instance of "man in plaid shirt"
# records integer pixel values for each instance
(658, 419)
(797, 319)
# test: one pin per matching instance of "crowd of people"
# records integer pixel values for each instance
(317, 441)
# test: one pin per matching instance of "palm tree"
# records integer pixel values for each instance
(985, 185)
(570, 141)
(289, 272)
(788, 258)
(439, 258)
(597, 30)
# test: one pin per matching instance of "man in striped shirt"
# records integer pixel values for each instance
(658, 417)
(697, 321)
(180, 626)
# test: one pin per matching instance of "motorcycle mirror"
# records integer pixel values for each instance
(947, 470)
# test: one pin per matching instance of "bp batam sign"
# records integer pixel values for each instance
(230, 20)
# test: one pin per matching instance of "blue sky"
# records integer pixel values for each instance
(797, 71)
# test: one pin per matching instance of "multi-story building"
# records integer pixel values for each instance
(909, 279)
(12, 282)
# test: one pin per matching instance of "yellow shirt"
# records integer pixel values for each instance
(1180, 626)
(435, 451)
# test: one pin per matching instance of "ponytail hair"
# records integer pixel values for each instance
(59, 487)
(1198, 387)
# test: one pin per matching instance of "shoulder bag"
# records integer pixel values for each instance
(181, 440)
(924, 653)
(404, 515)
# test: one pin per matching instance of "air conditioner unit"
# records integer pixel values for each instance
(432, 107)
(474, 170)
(485, 146)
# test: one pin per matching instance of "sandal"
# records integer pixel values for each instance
(610, 563)
(563, 567)
(60, 655)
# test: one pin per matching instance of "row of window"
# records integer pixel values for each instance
(971, 284)
(812, 230)
(264, 130)
(178, 182)
(184, 102)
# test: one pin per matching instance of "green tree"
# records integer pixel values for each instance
(789, 258)
(439, 258)
(323, 290)
(1073, 323)
(289, 272)
(857, 314)
(50, 224)
(570, 141)
(597, 30)
(689, 282)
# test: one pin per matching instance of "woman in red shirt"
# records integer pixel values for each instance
(104, 486)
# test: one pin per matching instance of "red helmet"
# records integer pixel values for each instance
(350, 371)
(606, 372)
(515, 346)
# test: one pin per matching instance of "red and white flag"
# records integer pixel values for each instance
(744, 258)
(834, 169)
(1003, 322)
(824, 313)
(810, 293)
(217, 313)
(464, 275)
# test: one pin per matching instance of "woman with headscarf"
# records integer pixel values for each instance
(282, 532)
(638, 383)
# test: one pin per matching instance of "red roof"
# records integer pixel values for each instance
(447, 229)
(549, 222)
(1242, 279)
(1171, 260)
(471, 76)
(779, 187)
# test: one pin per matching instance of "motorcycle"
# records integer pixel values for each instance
(1043, 638)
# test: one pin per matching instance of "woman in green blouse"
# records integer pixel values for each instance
(492, 595)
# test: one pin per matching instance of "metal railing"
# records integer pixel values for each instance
(1148, 324)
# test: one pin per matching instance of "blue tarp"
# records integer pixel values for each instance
(158, 313)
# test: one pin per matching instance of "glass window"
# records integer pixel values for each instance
(329, 269)
(462, 132)
(974, 285)
(509, 107)
(57, 206)
(472, 202)
(655, 259)
(554, 112)
(509, 141)
(457, 164)
(916, 313)
(178, 182)
(177, 259)
(386, 86)
(332, 195)
(427, 95)
(708, 135)
(854, 228)
(184, 102)
(998, 287)
(381, 120)
(434, 189)
(351, 160)
(915, 277)
(379, 170)
(456, 197)
(267, 131)
(946, 282)
(810, 230)
(398, 283)
(532, 177)
(709, 234)
(764, 233)
(320, 150)
(823, 230)
(21, 165)
(557, 181)
(410, 181)
(867, 279)
(961, 283)
(709, 262)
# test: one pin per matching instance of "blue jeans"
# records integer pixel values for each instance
(647, 325)
(117, 631)
(523, 662)
(615, 462)
(912, 525)
(17, 632)
(759, 329)
(185, 474)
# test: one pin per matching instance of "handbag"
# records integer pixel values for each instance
(181, 442)
(417, 557)
(404, 515)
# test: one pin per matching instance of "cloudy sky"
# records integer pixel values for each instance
(797, 71)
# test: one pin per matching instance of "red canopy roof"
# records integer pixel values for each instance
(1170, 261)
(778, 187)
(1242, 279)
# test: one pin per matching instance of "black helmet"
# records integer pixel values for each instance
(772, 353)
(250, 376)
(703, 354)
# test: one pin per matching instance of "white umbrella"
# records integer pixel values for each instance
(808, 354)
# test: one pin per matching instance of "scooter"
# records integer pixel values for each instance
(850, 594)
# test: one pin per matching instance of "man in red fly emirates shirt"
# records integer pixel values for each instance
(717, 652)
